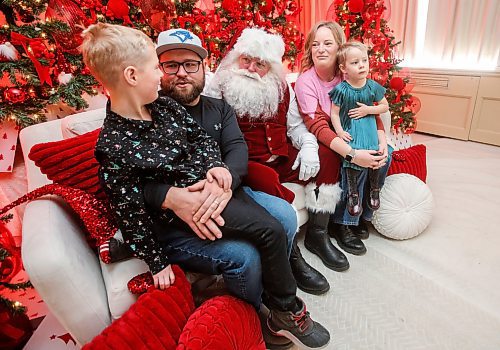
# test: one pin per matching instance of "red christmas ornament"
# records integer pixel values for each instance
(266, 6)
(14, 95)
(68, 12)
(159, 13)
(355, 5)
(11, 265)
(380, 77)
(397, 83)
(414, 104)
(118, 9)
(292, 7)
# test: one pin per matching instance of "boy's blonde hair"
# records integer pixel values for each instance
(344, 49)
(108, 48)
(338, 35)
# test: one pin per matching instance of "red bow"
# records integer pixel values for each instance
(43, 71)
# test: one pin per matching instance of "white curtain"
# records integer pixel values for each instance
(454, 34)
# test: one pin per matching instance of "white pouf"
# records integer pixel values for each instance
(406, 207)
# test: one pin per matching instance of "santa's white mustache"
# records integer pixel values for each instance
(246, 73)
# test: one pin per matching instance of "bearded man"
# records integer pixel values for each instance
(251, 79)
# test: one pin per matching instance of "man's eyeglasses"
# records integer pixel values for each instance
(172, 67)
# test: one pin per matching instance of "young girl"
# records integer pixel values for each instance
(353, 117)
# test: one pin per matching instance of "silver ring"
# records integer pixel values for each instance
(216, 203)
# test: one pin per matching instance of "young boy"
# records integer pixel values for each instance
(149, 138)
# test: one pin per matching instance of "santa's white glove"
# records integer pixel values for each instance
(309, 161)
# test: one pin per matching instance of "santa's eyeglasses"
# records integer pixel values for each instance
(259, 64)
(172, 67)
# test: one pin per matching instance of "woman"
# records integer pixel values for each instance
(319, 75)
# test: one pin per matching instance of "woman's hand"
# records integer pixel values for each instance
(165, 278)
(369, 159)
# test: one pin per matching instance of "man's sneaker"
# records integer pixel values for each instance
(299, 328)
(273, 342)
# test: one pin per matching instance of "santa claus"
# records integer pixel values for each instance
(251, 79)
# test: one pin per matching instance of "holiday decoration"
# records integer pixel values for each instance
(14, 95)
(39, 42)
(8, 52)
(96, 217)
(8, 143)
(94, 213)
(15, 328)
(366, 21)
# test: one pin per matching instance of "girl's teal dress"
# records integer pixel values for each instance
(363, 130)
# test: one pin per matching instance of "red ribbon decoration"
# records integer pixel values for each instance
(42, 71)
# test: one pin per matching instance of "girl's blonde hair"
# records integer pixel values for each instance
(344, 49)
(108, 48)
(338, 35)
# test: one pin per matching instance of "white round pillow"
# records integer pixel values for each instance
(406, 207)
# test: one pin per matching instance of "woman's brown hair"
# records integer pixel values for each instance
(338, 35)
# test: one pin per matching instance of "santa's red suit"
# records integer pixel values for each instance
(272, 155)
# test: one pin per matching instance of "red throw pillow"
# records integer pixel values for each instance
(70, 162)
(154, 322)
(222, 323)
(410, 161)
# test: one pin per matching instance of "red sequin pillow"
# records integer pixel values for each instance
(70, 162)
(222, 323)
(410, 161)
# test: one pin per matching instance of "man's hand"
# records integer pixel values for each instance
(165, 278)
(309, 162)
(359, 112)
(222, 176)
(185, 203)
(214, 204)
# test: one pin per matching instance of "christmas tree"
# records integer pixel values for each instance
(39, 41)
(366, 21)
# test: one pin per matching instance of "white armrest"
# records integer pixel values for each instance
(63, 269)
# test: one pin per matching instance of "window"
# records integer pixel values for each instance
(451, 34)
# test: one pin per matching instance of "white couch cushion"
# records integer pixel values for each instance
(81, 123)
(116, 277)
(299, 202)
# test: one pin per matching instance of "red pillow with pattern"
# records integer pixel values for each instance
(411, 161)
(70, 162)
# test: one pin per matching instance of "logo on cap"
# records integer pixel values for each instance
(182, 35)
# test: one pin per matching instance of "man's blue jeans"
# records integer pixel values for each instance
(237, 260)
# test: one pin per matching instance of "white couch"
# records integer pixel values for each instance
(83, 293)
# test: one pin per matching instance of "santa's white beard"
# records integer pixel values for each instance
(249, 94)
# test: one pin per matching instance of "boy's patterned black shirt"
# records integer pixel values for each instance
(172, 148)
